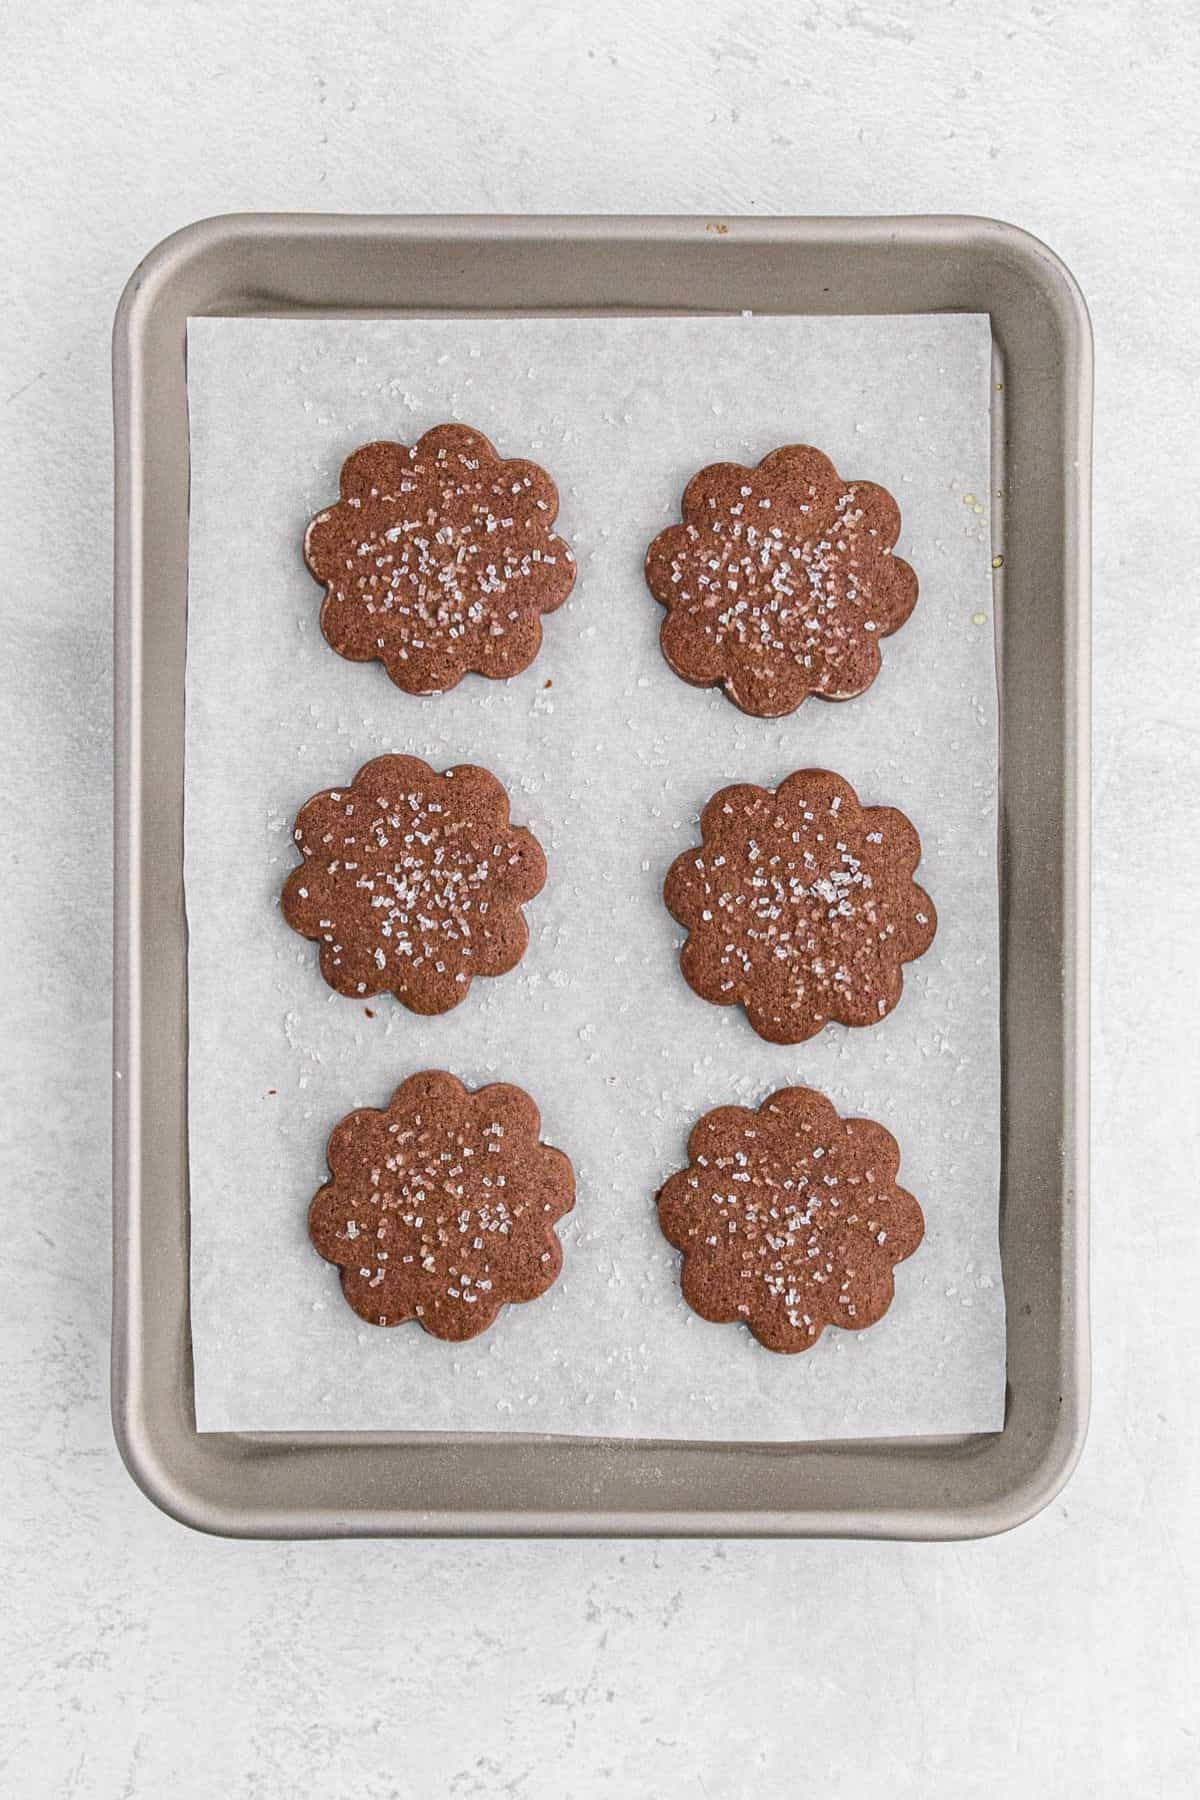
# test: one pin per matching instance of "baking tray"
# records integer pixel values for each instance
(397, 1484)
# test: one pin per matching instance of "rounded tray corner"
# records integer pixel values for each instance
(1031, 1479)
(165, 1464)
(1040, 268)
(177, 256)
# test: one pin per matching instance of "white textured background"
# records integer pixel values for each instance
(139, 1660)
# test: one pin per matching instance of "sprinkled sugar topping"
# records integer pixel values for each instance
(780, 581)
(439, 558)
(789, 1219)
(800, 905)
(412, 882)
(442, 1207)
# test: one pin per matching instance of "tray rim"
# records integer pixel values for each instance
(162, 1455)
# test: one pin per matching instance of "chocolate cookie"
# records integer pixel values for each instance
(800, 905)
(442, 1206)
(780, 581)
(789, 1219)
(412, 882)
(439, 558)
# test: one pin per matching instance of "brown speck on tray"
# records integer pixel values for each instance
(271, 1091)
(547, 683)
(368, 1012)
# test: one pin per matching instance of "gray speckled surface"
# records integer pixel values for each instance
(138, 1660)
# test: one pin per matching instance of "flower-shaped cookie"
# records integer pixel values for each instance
(439, 558)
(800, 905)
(789, 1219)
(780, 581)
(442, 1207)
(412, 882)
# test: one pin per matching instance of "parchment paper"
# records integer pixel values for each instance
(608, 757)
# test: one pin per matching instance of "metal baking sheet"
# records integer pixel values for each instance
(306, 1484)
